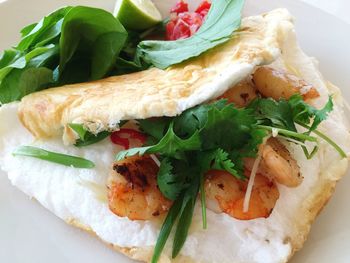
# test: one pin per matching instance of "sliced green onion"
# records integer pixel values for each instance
(300, 136)
(79, 129)
(67, 160)
(203, 203)
(166, 228)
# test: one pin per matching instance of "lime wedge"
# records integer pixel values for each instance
(137, 14)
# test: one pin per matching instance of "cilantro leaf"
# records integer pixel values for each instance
(273, 113)
(195, 118)
(228, 128)
(92, 139)
(85, 137)
(173, 177)
(218, 160)
(170, 145)
(304, 113)
(155, 127)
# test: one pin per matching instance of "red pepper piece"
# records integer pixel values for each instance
(203, 8)
(180, 7)
(124, 142)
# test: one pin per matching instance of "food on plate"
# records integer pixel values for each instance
(224, 130)
(137, 14)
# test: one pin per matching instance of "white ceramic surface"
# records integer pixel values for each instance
(30, 234)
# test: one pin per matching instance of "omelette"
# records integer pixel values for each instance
(81, 197)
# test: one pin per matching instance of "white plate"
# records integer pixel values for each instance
(29, 233)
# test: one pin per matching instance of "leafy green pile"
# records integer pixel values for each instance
(73, 44)
(78, 44)
(215, 136)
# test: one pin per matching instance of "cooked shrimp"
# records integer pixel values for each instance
(277, 164)
(241, 94)
(133, 191)
(277, 84)
(229, 194)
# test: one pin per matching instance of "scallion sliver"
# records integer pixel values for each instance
(67, 160)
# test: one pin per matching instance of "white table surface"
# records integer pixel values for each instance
(339, 8)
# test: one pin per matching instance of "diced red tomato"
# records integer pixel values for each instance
(116, 137)
(180, 7)
(203, 8)
(184, 24)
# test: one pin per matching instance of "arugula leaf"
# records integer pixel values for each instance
(223, 19)
(67, 160)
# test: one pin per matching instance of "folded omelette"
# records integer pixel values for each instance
(79, 196)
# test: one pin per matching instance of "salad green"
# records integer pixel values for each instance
(78, 44)
(223, 19)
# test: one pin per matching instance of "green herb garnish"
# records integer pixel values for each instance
(223, 19)
(214, 136)
(217, 136)
(67, 160)
(85, 137)
(284, 115)
(52, 53)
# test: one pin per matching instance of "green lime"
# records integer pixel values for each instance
(137, 14)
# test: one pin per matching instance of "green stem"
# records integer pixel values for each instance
(203, 203)
(59, 158)
(327, 139)
(289, 133)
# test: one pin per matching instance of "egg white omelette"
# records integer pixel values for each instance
(79, 196)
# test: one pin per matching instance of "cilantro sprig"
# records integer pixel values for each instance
(283, 115)
(217, 136)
